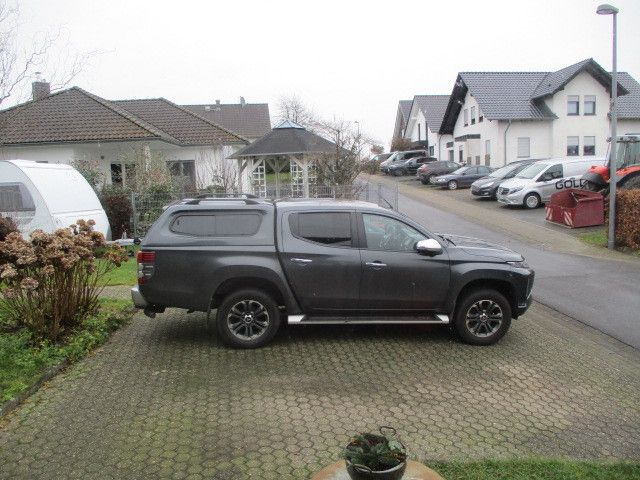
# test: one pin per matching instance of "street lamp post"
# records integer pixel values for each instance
(606, 9)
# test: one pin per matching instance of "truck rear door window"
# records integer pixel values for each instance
(327, 228)
(217, 225)
(15, 197)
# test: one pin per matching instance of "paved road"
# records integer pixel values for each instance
(602, 293)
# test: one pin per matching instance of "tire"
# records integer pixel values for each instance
(452, 185)
(482, 317)
(253, 332)
(398, 173)
(424, 181)
(531, 200)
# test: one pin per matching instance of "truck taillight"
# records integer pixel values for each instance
(146, 265)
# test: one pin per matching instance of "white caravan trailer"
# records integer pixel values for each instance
(47, 196)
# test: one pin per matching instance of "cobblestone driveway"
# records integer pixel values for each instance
(163, 400)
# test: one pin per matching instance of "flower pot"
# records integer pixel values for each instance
(360, 472)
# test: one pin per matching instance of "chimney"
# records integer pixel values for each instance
(217, 102)
(242, 102)
(40, 89)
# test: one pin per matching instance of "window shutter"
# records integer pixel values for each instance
(523, 147)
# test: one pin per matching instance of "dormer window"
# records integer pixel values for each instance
(466, 117)
(473, 115)
(589, 104)
(573, 105)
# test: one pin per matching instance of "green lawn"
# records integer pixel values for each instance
(22, 362)
(125, 274)
(538, 469)
(597, 238)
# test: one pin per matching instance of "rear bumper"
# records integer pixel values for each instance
(138, 299)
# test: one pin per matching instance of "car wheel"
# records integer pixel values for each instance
(482, 317)
(452, 185)
(424, 181)
(247, 319)
(398, 173)
(531, 200)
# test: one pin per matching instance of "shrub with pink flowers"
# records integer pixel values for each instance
(51, 282)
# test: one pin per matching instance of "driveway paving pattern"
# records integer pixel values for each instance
(165, 400)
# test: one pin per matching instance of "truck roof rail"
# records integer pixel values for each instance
(227, 195)
(196, 201)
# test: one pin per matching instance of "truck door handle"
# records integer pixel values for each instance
(375, 264)
(301, 260)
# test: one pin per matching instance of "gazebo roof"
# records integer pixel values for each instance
(288, 138)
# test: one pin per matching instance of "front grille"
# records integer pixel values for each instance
(504, 191)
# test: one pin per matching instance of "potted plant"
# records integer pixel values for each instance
(370, 456)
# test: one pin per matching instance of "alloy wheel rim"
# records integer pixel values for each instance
(532, 202)
(453, 185)
(484, 318)
(248, 319)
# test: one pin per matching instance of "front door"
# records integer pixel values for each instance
(548, 181)
(394, 276)
(321, 260)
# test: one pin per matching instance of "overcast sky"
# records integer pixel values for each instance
(347, 59)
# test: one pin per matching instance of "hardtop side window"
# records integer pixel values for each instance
(554, 172)
(328, 228)
(388, 234)
(15, 197)
(218, 224)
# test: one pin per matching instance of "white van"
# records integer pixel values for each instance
(48, 196)
(535, 184)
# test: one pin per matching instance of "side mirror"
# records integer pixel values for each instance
(428, 247)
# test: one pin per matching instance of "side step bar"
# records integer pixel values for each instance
(437, 319)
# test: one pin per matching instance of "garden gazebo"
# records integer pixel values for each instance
(287, 144)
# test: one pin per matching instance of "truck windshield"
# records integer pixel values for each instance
(532, 170)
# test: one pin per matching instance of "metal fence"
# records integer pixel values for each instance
(146, 207)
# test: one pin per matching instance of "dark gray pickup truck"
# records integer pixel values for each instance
(259, 262)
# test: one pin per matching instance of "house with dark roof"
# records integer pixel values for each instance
(402, 116)
(251, 120)
(74, 125)
(498, 117)
(424, 122)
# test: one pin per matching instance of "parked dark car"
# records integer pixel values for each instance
(410, 167)
(488, 186)
(463, 177)
(401, 157)
(426, 172)
(252, 264)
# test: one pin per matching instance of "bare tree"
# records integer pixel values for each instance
(400, 144)
(292, 108)
(18, 64)
(216, 175)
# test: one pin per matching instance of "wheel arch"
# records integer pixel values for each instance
(502, 286)
(234, 284)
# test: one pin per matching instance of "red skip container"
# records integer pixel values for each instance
(576, 208)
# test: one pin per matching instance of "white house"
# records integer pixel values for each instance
(499, 117)
(424, 122)
(74, 125)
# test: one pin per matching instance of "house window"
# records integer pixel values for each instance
(477, 159)
(116, 174)
(473, 115)
(487, 152)
(573, 105)
(466, 117)
(480, 117)
(461, 154)
(451, 155)
(184, 171)
(524, 147)
(590, 105)
(431, 151)
(589, 147)
(573, 146)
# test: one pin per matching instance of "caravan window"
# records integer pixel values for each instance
(15, 197)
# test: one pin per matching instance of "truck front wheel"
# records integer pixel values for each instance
(247, 319)
(482, 317)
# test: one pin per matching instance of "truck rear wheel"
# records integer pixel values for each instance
(247, 319)
(482, 317)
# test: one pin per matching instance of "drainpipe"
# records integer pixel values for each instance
(439, 147)
(505, 142)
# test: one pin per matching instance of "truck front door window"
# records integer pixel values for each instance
(384, 233)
